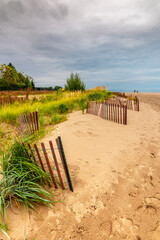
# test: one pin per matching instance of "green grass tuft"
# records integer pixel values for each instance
(23, 181)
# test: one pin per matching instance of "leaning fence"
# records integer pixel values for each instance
(28, 124)
(48, 158)
(110, 110)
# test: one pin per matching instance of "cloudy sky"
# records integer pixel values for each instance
(108, 42)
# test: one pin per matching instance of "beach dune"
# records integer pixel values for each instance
(116, 179)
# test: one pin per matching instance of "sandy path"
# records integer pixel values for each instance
(116, 182)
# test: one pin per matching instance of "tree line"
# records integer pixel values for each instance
(11, 79)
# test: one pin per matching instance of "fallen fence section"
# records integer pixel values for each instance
(28, 123)
(48, 160)
(111, 110)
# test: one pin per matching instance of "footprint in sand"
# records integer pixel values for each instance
(155, 234)
(153, 201)
(146, 210)
(98, 160)
(124, 228)
(91, 134)
(105, 229)
(79, 133)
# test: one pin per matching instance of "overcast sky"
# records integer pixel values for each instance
(108, 42)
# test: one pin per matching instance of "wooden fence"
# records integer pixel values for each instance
(111, 110)
(49, 160)
(131, 104)
(11, 99)
(28, 124)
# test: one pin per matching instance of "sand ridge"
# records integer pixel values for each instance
(115, 171)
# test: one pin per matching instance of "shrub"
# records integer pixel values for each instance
(99, 95)
(74, 83)
(83, 104)
(94, 96)
(63, 108)
(56, 118)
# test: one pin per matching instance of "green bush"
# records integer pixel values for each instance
(56, 118)
(63, 108)
(99, 95)
(74, 83)
(83, 104)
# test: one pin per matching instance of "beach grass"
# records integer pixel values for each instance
(23, 181)
(51, 105)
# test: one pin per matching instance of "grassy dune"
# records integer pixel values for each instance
(53, 105)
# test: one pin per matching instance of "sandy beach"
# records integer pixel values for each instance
(115, 172)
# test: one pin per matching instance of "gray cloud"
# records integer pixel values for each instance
(103, 40)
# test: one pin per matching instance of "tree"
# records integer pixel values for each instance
(56, 88)
(10, 79)
(74, 83)
(11, 65)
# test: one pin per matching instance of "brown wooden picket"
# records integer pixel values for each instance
(110, 110)
(47, 159)
(131, 104)
(28, 124)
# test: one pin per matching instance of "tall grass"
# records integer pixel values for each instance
(60, 103)
(23, 181)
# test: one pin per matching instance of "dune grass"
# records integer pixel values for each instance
(56, 103)
(23, 181)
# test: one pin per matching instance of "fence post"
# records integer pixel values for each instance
(125, 115)
(118, 113)
(37, 121)
(64, 161)
(56, 163)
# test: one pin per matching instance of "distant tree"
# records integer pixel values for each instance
(10, 79)
(56, 88)
(74, 83)
(11, 65)
(32, 84)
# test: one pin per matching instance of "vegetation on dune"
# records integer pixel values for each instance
(23, 181)
(57, 104)
(52, 109)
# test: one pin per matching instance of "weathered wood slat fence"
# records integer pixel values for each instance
(28, 123)
(110, 110)
(11, 100)
(47, 158)
(131, 104)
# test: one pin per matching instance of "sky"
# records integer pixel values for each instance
(115, 43)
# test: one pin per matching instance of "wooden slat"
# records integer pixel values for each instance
(37, 120)
(34, 120)
(48, 164)
(34, 158)
(31, 117)
(56, 164)
(26, 150)
(39, 157)
(64, 162)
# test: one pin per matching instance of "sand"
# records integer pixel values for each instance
(116, 178)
